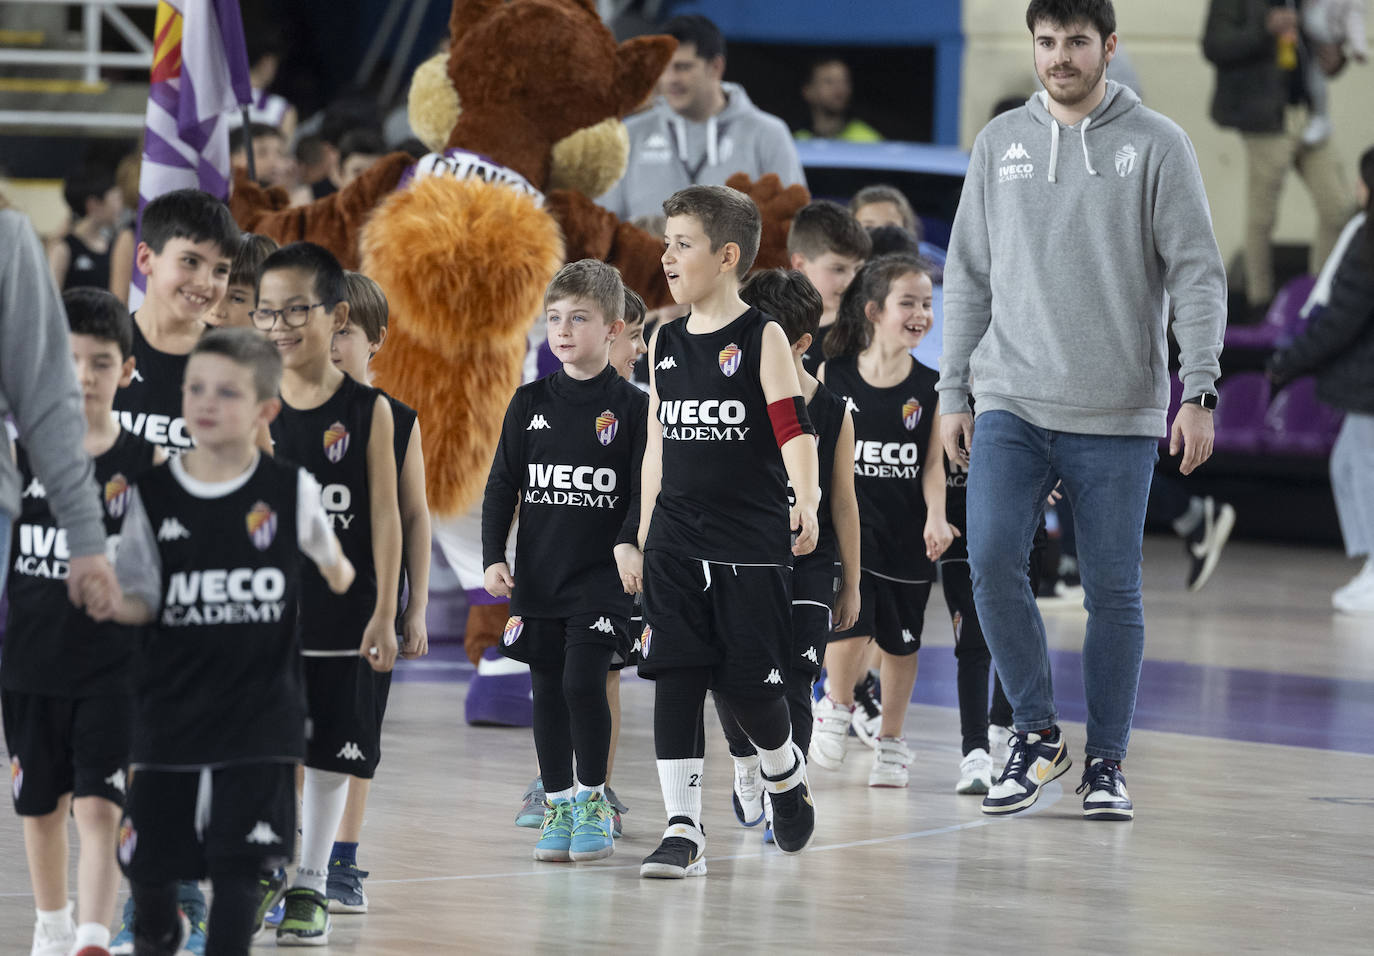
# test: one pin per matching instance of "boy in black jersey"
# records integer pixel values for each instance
(569, 457)
(343, 432)
(826, 244)
(188, 242)
(730, 430)
(65, 680)
(209, 557)
(826, 579)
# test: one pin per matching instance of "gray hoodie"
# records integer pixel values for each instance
(668, 153)
(1067, 248)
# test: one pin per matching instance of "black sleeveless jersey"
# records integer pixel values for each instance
(87, 267)
(570, 456)
(403, 417)
(50, 646)
(815, 353)
(150, 406)
(826, 411)
(723, 496)
(219, 679)
(330, 442)
(891, 435)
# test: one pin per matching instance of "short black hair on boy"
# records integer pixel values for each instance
(100, 315)
(699, 31)
(889, 239)
(823, 226)
(250, 349)
(327, 276)
(189, 214)
(1065, 13)
(252, 253)
(725, 214)
(90, 181)
(591, 279)
(259, 131)
(787, 296)
(368, 142)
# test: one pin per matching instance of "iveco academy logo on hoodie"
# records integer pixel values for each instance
(1010, 169)
(1125, 160)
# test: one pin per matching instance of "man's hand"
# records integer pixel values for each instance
(1191, 434)
(629, 561)
(497, 580)
(846, 607)
(953, 428)
(414, 633)
(1282, 21)
(802, 520)
(91, 584)
(379, 643)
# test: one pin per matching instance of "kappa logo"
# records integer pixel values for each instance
(773, 677)
(1014, 152)
(604, 626)
(810, 655)
(511, 633)
(138, 376)
(644, 641)
(262, 525)
(262, 834)
(729, 359)
(1125, 160)
(1015, 164)
(606, 427)
(335, 442)
(350, 751)
(117, 780)
(907, 638)
(116, 496)
(172, 530)
(35, 489)
(911, 414)
(536, 423)
(666, 362)
(16, 777)
(83, 263)
(850, 405)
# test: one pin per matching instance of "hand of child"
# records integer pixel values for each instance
(91, 584)
(415, 633)
(379, 644)
(497, 580)
(846, 607)
(804, 526)
(629, 561)
(1055, 494)
(940, 534)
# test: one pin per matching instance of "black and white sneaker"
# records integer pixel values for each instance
(1036, 759)
(1106, 797)
(681, 854)
(1207, 540)
(868, 711)
(794, 812)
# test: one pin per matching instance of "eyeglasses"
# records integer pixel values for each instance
(293, 316)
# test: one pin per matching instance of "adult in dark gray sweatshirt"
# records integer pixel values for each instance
(1083, 218)
(38, 386)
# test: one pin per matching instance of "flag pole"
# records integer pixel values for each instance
(248, 144)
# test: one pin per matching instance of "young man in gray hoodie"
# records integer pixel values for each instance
(1083, 220)
(701, 132)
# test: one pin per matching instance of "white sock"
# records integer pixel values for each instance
(590, 788)
(778, 763)
(57, 923)
(322, 808)
(92, 934)
(681, 783)
(567, 794)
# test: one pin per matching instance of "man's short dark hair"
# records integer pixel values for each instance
(259, 131)
(368, 142)
(189, 214)
(697, 30)
(823, 226)
(327, 276)
(250, 349)
(787, 296)
(90, 181)
(726, 215)
(100, 315)
(1065, 13)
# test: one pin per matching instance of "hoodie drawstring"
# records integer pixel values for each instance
(712, 143)
(680, 128)
(1087, 162)
(1054, 149)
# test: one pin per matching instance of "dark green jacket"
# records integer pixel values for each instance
(1251, 90)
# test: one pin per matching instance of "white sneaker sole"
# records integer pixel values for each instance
(973, 786)
(347, 909)
(1109, 813)
(1029, 799)
(1221, 533)
(666, 871)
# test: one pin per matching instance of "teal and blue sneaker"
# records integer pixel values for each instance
(306, 922)
(532, 805)
(191, 902)
(555, 838)
(593, 824)
(123, 942)
(345, 888)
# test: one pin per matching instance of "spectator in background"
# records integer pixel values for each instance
(122, 246)
(82, 257)
(827, 93)
(318, 162)
(358, 150)
(884, 205)
(266, 44)
(1333, 26)
(1338, 348)
(702, 132)
(270, 159)
(1262, 92)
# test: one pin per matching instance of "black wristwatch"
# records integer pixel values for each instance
(1207, 400)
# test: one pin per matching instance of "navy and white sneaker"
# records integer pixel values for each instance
(1036, 759)
(1106, 797)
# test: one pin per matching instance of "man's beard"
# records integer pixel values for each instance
(1084, 94)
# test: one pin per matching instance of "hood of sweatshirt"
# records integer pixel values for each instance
(1119, 101)
(737, 106)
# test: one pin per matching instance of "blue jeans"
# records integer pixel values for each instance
(1107, 478)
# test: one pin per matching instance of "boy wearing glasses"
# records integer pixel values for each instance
(341, 431)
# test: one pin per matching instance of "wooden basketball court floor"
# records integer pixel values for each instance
(1251, 767)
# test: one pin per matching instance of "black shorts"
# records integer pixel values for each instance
(890, 612)
(247, 815)
(636, 625)
(345, 700)
(57, 745)
(733, 618)
(813, 601)
(545, 640)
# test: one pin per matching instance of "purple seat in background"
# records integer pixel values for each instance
(1298, 424)
(1239, 419)
(1281, 322)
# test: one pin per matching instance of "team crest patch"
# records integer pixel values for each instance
(644, 640)
(1125, 160)
(116, 496)
(511, 634)
(729, 359)
(262, 525)
(16, 777)
(911, 414)
(606, 427)
(335, 442)
(128, 842)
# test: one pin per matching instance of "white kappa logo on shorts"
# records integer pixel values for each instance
(810, 655)
(262, 834)
(773, 677)
(603, 625)
(349, 751)
(907, 638)
(116, 780)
